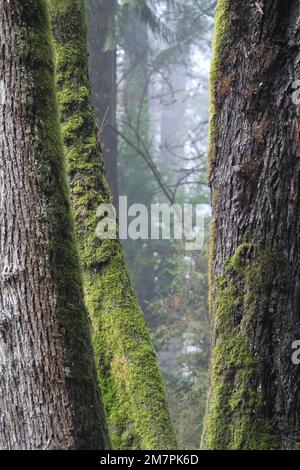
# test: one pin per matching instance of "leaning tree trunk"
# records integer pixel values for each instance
(49, 395)
(103, 76)
(132, 388)
(255, 243)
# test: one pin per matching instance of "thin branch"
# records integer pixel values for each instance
(147, 157)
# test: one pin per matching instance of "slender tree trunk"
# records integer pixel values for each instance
(255, 243)
(49, 396)
(136, 73)
(173, 117)
(134, 179)
(103, 76)
(132, 387)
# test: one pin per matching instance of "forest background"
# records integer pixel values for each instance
(149, 69)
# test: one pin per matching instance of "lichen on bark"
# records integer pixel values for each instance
(130, 380)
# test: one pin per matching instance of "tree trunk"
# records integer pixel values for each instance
(127, 366)
(136, 74)
(103, 76)
(173, 118)
(135, 176)
(49, 397)
(173, 114)
(255, 242)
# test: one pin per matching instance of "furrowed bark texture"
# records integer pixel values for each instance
(255, 242)
(49, 396)
(103, 77)
(130, 380)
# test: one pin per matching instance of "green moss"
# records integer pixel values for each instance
(130, 380)
(60, 5)
(235, 417)
(219, 40)
(128, 372)
(239, 260)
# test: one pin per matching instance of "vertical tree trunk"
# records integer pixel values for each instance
(136, 73)
(103, 76)
(173, 117)
(135, 177)
(135, 43)
(255, 243)
(49, 396)
(132, 388)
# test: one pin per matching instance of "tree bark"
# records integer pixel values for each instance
(255, 242)
(103, 78)
(132, 387)
(49, 397)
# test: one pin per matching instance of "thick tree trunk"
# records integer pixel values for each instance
(131, 383)
(49, 396)
(103, 76)
(255, 243)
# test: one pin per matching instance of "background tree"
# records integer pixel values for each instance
(49, 397)
(102, 32)
(130, 380)
(254, 174)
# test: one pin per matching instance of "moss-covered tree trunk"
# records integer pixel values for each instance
(255, 177)
(132, 388)
(103, 77)
(49, 396)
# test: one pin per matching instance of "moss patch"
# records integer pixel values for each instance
(219, 41)
(128, 373)
(236, 417)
